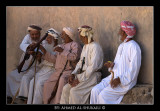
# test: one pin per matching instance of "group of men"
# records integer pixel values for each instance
(66, 73)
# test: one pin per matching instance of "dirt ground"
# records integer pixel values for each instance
(140, 94)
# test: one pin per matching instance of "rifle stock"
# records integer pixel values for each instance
(56, 85)
(54, 90)
(26, 57)
(83, 62)
(20, 66)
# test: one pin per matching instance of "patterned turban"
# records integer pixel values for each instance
(129, 29)
(86, 31)
(34, 27)
(69, 32)
(53, 33)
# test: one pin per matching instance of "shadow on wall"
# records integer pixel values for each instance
(104, 39)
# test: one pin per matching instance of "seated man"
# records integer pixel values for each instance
(67, 54)
(87, 72)
(35, 95)
(125, 67)
(14, 78)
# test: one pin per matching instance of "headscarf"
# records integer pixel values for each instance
(34, 27)
(52, 32)
(69, 32)
(129, 29)
(86, 31)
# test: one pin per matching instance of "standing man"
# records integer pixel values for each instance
(45, 72)
(125, 67)
(14, 78)
(87, 72)
(66, 54)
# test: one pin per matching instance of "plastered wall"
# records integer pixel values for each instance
(104, 20)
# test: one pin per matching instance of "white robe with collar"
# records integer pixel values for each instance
(127, 65)
(14, 78)
(79, 94)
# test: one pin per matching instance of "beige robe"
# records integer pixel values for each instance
(89, 78)
(60, 61)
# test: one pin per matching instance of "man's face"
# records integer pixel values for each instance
(35, 35)
(83, 39)
(49, 39)
(122, 34)
(65, 37)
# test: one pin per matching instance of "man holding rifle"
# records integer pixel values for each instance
(67, 55)
(14, 78)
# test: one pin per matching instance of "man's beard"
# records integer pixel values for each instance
(63, 40)
(120, 38)
(49, 47)
(34, 40)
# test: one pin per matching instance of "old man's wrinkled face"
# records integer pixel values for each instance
(83, 39)
(122, 35)
(49, 39)
(65, 37)
(35, 35)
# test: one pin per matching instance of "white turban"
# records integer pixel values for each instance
(34, 27)
(52, 32)
(86, 32)
(69, 32)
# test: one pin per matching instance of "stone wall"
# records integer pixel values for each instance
(104, 20)
(139, 94)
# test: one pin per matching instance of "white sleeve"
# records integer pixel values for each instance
(79, 64)
(134, 66)
(25, 43)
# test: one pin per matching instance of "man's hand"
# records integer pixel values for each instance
(71, 78)
(31, 46)
(58, 49)
(75, 83)
(115, 82)
(42, 49)
(109, 64)
(31, 53)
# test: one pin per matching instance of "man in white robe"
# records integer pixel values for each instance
(77, 91)
(44, 73)
(125, 67)
(24, 85)
(14, 78)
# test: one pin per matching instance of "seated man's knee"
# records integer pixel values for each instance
(66, 87)
(24, 78)
(95, 90)
(101, 95)
(40, 83)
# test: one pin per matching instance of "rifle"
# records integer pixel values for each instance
(80, 70)
(26, 57)
(56, 86)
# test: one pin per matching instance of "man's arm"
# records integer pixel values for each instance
(74, 54)
(25, 43)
